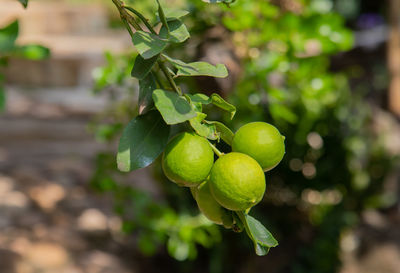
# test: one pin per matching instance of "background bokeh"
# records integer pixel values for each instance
(325, 72)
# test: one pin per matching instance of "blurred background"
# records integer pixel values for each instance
(325, 72)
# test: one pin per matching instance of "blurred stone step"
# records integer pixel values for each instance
(72, 60)
(53, 103)
(76, 33)
(30, 140)
(55, 17)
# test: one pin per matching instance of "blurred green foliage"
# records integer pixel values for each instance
(9, 48)
(155, 223)
(335, 165)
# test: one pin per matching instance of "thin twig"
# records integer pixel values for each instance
(141, 17)
(126, 17)
(158, 80)
(169, 78)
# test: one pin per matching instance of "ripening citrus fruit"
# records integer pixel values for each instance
(211, 208)
(187, 159)
(193, 191)
(261, 141)
(237, 181)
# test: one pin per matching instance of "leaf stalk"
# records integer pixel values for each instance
(215, 149)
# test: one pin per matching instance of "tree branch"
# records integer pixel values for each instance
(128, 19)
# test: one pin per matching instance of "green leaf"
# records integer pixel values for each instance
(33, 52)
(173, 108)
(197, 100)
(219, 1)
(146, 88)
(148, 45)
(142, 67)
(3, 62)
(178, 32)
(24, 3)
(260, 233)
(172, 14)
(198, 68)
(163, 19)
(8, 36)
(147, 243)
(142, 141)
(200, 99)
(2, 99)
(261, 237)
(261, 250)
(198, 107)
(204, 129)
(178, 248)
(280, 111)
(224, 132)
(218, 101)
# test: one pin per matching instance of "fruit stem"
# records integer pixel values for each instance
(216, 151)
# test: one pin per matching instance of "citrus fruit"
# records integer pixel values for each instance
(261, 141)
(187, 159)
(237, 181)
(193, 191)
(211, 208)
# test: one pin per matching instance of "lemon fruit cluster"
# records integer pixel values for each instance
(236, 180)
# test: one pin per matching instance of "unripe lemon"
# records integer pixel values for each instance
(211, 208)
(187, 159)
(261, 141)
(237, 181)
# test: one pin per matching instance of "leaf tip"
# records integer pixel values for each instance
(122, 167)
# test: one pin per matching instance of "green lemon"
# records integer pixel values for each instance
(187, 159)
(261, 141)
(237, 181)
(193, 191)
(211, 208)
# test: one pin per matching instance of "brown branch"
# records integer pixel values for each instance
(393, 56)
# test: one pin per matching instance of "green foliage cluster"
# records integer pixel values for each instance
(155, 223)
(330, 145)
(334, 166)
